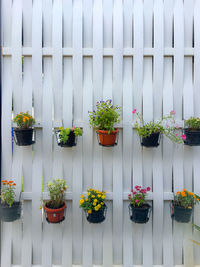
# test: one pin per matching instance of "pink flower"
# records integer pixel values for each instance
(134, 111)
(176, 134)
(172, 112)
(131, 190)
(143, 191)
(148, 188)
(136, 200)
(183, 136)
(134, 193)
(73, 127)
(167, 126)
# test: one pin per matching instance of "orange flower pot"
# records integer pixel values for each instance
(55, 215)
(106, 139)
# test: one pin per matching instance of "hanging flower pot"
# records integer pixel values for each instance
(55, 215)
(139, 211)
(150, 132)
(10, 214)
(55, 207)
(151, 141)
(192, 132)
(103, 120)
(97, 216)
(23, 134)
(10, 210)
(182, 206)
(140, 214)
(68, 137)
(94, 206)
(106, 139)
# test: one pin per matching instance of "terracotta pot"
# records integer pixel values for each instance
(55, 215)
(106, 139)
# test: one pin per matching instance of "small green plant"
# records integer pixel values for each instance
(8, 192)
(94, 200)
(193, 123)
(186, 199)
(138, 195)
(64, 133)
(56, 188)
(105, 116)
(166, 126)
(24, 120)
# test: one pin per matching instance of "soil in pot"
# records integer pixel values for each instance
(192, 137)
(24, 137)
(106, 139)
(70, 142)
(55, 215)
(139, 214)
(151, 141)
(10, 214)
(97, 216)
(181, 214)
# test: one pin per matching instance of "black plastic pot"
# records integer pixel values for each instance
(151, 141)
(140, 214)
(10, 214)
(192, 137)
(97, 216)
(24, 137)
(72, 140)
(181, 214)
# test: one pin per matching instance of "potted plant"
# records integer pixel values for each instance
(10, 210)
(24, 131)
(55, 207)
(192, 131)
(139, 210)
(150, 132)
(103, 120)
(94, 206)
(68, 137)
(182, 206)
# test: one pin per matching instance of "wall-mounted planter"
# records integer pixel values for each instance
(72, 140)
(10, 214)
(151, 141)
(181, 214)
(97, 216)
(192, 137)
(24, 137)
(106, 139)
(139, 214)
(55, 215)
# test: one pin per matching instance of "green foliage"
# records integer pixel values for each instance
(94, 200)
(166, 126)
(56, 188)
(24, 120)
(64, 133)
(193, 123)
(8, 192)
(138, 195)
(105, 116)
(198, 229)
(186, 199)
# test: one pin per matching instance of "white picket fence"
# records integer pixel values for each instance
(144, 54)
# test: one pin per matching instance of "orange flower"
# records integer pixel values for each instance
(24, 119)
(10, 184)
(183, 194)
(177, 192)
(4, 183)
(190, 193)
(10, 181)
(14, 184)
(184, 190)
(194, 196)
(197, 199)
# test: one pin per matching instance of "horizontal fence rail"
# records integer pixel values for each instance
(59, 57)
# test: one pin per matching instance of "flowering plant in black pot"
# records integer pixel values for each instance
(192, 131)
(103, 119)
(182, 206)
(139, 210)
(10, 210)
(23, 133)
(150, 132)
(94, 206)
(68, 137)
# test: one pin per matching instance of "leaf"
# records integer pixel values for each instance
(196, 227)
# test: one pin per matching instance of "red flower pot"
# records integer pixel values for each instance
(55, 215)
(106, 139)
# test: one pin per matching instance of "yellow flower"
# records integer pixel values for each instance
(95, 200)
(88, 194)
(82, 196)
(102, 203)
(89, 211)
(86, 199)
(99, 206)
(103, 197)
(98, 195)
(96, 208)
(93, 196)
(81, 201)
(94, 203)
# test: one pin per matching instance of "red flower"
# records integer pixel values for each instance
(148, 188)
